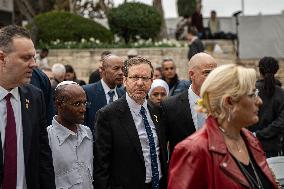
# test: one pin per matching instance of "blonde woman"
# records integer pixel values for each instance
(223, 154)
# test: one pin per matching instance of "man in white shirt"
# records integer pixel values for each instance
(179, 113)
(106, 90)
(25, 157)
(130, 150)
(71, 143)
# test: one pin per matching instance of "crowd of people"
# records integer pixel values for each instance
(136, 126)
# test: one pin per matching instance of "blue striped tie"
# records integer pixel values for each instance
(153, 154)
(110, 94)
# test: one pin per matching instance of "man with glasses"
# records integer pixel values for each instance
(179, 112)
(106, 90)
(170, 76)
(71, 143)
(130, 150)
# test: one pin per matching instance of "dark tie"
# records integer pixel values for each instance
(110, 94)
(10, 148)
(153, 154)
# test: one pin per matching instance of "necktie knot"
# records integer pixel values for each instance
(111, 94)
(8, 97)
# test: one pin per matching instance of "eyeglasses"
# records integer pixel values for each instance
(136, 78)
(206, 72)
(254, 94)
(79, 104)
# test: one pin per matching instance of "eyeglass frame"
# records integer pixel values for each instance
(136, 78)
(254, 94)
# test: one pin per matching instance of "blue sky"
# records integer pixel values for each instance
(224, 7)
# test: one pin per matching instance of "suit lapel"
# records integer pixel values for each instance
(184, 105)
(26, 107)
(129, 125)
(100, 94)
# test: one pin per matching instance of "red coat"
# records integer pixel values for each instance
(202, 161)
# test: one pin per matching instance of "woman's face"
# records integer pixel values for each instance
(158, 95)
(246, 109)
(69, 76)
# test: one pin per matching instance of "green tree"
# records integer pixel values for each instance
(135, 19)
(66, 26)
(186, 7)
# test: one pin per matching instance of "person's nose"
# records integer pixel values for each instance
(32, 63)
(258, 101)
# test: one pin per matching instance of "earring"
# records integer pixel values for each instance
(229, 117)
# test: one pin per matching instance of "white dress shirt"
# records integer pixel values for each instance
(16, 104)
(143, 137)
(107, 89)
(72, 156)
(192, 98)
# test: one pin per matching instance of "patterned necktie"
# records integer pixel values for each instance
(10, 148)
(110, 94)
(153, 154)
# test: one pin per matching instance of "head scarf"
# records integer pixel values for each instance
(159, 83)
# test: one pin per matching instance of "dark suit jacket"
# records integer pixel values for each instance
(177, 118)
(37, 154)
(41, 81)
(119, 161)
(97, 99)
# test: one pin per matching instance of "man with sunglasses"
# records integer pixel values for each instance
(130, 149)
(71, 143)
(179, 112)
(169, 75)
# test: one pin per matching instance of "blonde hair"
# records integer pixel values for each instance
(226, 80)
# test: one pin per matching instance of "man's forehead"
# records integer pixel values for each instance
(208, 65)
(23, 45)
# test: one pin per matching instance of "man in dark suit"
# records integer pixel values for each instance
(41, 81)
(130, 148)
(179, 112)
(27, 157)
(104, 91)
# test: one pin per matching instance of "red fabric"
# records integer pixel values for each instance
(10, 149)
(202, 161)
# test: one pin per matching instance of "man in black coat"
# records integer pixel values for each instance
(130, 148)
(26, 153)
(179, 112)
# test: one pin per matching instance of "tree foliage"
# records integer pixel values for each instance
(135, 19)
(186, 7)
(69, 27)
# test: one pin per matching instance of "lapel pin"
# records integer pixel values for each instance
(27, 104)
(156, 117)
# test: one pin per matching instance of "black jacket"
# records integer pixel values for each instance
(119, 161)
(269, 130)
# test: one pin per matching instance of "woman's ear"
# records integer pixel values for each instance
(228, 102)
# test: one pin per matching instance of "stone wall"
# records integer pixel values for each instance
(87, 60)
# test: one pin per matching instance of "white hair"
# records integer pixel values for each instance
(58, 70)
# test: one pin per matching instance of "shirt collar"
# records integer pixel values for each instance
(63, 133)
(134, 106)
(106, 87)
(192, 95)
(15, 93)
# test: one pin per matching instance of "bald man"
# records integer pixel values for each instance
(179, 112)
(104, 91)
(71, 142)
